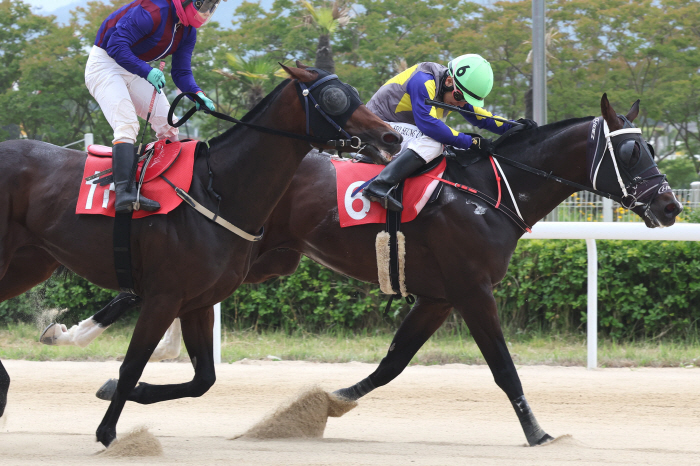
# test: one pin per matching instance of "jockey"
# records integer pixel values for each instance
(119, 77)
(464, 82)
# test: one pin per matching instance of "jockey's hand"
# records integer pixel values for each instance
(527, 124)
(157, 78)
(207, 102)
(481, 145)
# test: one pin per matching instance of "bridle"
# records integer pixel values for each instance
(323, 89)
(635, 183)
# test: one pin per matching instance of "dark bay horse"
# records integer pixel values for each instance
(455, 254)
(182, 263)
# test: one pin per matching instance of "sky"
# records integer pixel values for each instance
(62, 8)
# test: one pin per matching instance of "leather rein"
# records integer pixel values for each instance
(349, 142)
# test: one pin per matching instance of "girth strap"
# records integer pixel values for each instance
(212, 216)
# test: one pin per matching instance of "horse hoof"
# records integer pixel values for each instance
(107, 390)
(106, 436)
(347, 394)
(544, 440)
(50, 334)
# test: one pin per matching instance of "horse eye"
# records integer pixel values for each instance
(635, 155)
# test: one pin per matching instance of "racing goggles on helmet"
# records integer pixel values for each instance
(204, 9)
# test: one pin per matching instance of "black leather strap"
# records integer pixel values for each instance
(393, 226)
(121, 240)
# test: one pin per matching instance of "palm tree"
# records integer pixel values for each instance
(253, 74)
(327, 20)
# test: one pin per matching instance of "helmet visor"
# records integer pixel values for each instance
(205, 9)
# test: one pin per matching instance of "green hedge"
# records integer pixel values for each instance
(646, 289)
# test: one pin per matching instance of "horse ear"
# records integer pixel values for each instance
(634, 111)
(609, 113)
(301, 65)
(299, 74)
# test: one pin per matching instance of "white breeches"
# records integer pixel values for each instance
(123, 97)
(428, 148)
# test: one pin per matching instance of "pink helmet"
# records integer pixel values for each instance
(195, 12)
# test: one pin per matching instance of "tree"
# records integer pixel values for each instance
(327, 20)
(252, 74)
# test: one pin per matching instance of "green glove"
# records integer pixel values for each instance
(157, 78)
(207, 101)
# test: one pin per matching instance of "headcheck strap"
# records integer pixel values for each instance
(608, 142)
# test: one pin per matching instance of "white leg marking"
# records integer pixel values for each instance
(169, 346)
(78, 335)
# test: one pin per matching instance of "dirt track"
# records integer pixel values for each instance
(437, 415)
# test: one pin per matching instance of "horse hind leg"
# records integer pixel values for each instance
(87, 330)
(480, 313)
(26, 268)
(426, 316)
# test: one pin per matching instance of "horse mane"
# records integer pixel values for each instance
(541, 133)
(257, 110)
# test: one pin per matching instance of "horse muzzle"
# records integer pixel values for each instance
(661, 212)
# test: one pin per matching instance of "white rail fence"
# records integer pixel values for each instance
(591, 232)
(588, 231)
(588, 207)
(88, 140)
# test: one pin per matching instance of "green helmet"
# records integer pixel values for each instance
(473, 76)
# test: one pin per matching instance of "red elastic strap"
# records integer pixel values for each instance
(498, 180)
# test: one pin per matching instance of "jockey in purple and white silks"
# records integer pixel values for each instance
(119, 77)
(464, 82)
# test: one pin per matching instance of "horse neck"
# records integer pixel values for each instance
(252, 169)
(564, 155)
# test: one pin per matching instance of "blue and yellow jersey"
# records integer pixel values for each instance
(402, 100)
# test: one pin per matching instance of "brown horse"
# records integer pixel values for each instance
(182, 263)
(455, 254)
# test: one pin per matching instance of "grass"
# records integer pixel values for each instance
(20, 341)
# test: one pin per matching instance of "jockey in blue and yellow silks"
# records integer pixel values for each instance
(119, 76)
(401, 103)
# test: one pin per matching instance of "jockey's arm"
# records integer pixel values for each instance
(420, 87)
(135, 24)
(181, 71)
(489, 124)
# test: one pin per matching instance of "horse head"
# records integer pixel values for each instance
(625, 167)
(333, 107)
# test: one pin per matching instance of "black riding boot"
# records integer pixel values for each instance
(124, 162)
(396, 171)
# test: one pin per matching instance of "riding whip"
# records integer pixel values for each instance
(435, 103)
(150, 109)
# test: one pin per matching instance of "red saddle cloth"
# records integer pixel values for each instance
(358, 210)
(174, 160)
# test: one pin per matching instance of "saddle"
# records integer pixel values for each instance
(162, 155)
(174, 161)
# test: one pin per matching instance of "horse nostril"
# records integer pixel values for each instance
(391, 138)
(672, 209)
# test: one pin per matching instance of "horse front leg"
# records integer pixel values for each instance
(197, 331)
(426, 316)
(156, 316)
(198, 335)
(4, 387)
(480, 313)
